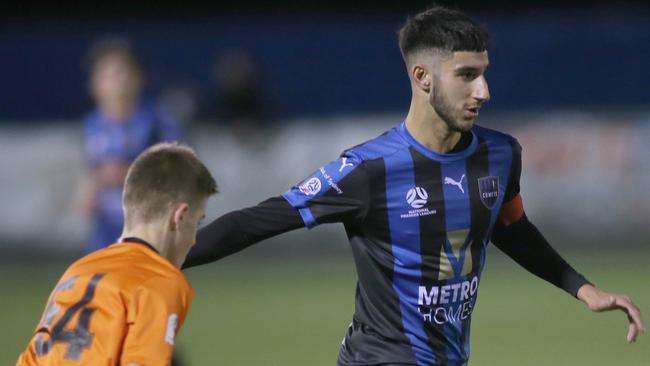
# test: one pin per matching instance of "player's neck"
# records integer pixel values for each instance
(117, 110)
(429, 129)
(160, 239)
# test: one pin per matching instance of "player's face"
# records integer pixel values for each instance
(459, 89)
(114, 79)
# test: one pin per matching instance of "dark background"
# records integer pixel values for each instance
(544, 54)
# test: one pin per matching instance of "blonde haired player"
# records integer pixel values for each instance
(124, 304)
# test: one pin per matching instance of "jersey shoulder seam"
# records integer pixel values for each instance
(371, 157)
(491, 133)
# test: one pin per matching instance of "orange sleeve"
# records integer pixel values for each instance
(155, 314)
(511, 211)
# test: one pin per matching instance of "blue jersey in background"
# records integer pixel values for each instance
(121, 141)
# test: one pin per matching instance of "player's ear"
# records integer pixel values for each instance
(179, 214)
(421, 77)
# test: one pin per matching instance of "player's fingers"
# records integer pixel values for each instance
(632, 333)
(633, 313)
(639, 321)
(626, 298)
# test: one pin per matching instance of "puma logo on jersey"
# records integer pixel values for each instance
(458, 184)
(344, 164)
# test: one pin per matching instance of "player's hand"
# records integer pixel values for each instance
(598, 300)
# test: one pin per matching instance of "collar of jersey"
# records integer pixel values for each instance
(148, 248)
(434, 155)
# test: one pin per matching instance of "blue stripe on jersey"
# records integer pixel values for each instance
(405, 238)
(319, 183)
(455, 190)
(298, 202)
(443, 158)
(382, 146)
(307, 217)
(458, 217)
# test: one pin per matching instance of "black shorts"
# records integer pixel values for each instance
(363, 346)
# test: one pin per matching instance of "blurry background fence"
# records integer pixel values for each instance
(585, 174)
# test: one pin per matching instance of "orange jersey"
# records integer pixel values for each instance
(124, 303)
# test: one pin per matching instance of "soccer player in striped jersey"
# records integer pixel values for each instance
(124, 304)
(419, 205)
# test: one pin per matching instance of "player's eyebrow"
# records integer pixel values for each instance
(462, 69)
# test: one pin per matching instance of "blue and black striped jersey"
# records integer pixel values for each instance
(418, 224)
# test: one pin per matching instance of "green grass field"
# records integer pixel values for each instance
(249, 312)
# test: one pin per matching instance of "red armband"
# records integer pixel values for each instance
(511, 211)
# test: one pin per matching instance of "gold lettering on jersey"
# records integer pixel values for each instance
(456, 239)
(467, 264)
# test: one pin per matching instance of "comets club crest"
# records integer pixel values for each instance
(488, 189)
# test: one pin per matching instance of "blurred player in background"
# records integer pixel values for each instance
(420, 204)
(124, 304)
(241, 100)
(121, 127)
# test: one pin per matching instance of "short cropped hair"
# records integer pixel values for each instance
(444, 29)
(113, 46)
(162, 176)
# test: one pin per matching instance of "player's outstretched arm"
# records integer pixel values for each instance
(517, 237)
(336, 192)
(240, 229)
(598, 300)
(344, 198)
(522, 242)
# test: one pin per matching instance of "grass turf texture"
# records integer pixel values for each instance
(296, 313)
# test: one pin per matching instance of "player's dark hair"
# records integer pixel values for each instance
(112, 46)
(444, 29)
(163, 175)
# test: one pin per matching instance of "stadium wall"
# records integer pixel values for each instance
(584, 180)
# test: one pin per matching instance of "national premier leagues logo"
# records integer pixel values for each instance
(488, 189)
(417, 197)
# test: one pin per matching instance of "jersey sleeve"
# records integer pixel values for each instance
(240, 229)
(512, 209)
(526, 245)
(155, 314)
(336, 192)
